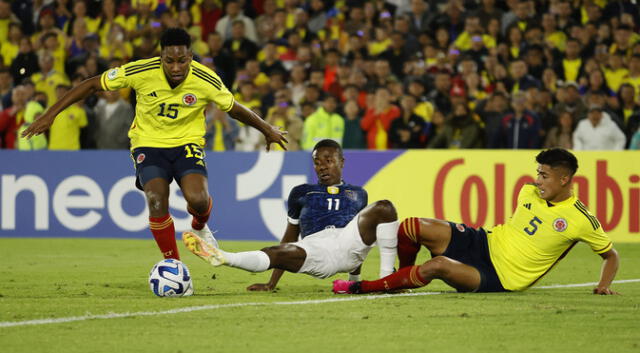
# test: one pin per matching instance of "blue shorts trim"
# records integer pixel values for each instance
(469, 246)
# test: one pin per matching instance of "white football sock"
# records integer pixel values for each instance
(253, 261)
(354, 278)
(387, 234)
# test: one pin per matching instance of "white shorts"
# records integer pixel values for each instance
(333, 250)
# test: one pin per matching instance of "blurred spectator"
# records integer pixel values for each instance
(32, 111)
(491, 113)
(6, 85)
(570, 67)
(48, 78)
(242, 48)
(113, 119)
(520, 78)
(353, 134)
(378, 118)
(569, 100)
(635, 141)
(222, 58)
(460, 130)
(409, 130)
(633, 77)
(628, 109)
(284, 115)
(64, 133)
(598, 132)
(25, 63)
(324, 123)
(11, 118)
(440, 94)
(11, 46)
(318, 19)
(233, 13)
(222, 131)
(561, 135)
(519, 129)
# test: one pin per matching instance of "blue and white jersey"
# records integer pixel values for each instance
(317, 207)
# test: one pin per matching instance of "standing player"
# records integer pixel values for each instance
(547, 223)
(166, 135)
(336, 228)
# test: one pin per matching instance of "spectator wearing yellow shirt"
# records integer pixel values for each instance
(6, 17)
(11, 46)
(571, 65)
(64, 134)
(50, 42)
(615, 73)
(116, 45)
(633, 78)
(80, 13)
(48, 78)
(32, 111)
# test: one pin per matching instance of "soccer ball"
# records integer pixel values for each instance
(170, 278)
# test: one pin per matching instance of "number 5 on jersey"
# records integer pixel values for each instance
(533, 228)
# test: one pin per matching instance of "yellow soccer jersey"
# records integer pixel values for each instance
(65, 131)
(167, 117)
(538, 235)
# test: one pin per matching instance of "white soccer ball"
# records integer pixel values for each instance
(170, 278)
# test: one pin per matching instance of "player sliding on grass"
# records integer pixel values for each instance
(336, 228)
(547, 223)
(172, 92)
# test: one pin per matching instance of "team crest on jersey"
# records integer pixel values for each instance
(560, 224)
(460, 227)
(332, 190)
(112, 74)
(189, 99)
(351, 194)
(140, 158)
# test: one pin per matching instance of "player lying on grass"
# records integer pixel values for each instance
(548, 221)
(172, 92)
(336, 228)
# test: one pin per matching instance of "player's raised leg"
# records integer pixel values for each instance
(285, 256)
(379, 222)
(462, 277)
(161, 224)
(195, 189)
(434, 234)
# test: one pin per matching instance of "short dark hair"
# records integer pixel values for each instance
(558, 157)
(175, 37)
(328, 143)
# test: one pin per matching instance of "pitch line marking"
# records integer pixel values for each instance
(234, 305)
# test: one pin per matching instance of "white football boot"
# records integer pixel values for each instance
(207, 235)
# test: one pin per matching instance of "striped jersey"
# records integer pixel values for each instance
(316, 207)
(165, 116)
(538, 235)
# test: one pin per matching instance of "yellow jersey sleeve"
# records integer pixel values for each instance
(217, 91)
(127, 75)
(592, 232)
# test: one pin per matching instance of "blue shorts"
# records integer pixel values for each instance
(167, 163)
(469, 246)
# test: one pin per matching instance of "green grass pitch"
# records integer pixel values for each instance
(45, 279)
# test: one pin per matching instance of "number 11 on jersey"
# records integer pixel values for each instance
(333, 204)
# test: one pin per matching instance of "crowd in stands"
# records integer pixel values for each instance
(510, 74)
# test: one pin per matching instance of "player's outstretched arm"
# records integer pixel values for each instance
(83, 90)
(272, 134)
(290, 235)
(609, 270)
